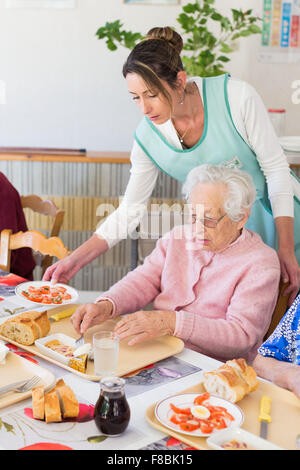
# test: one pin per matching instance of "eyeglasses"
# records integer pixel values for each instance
(208, 223)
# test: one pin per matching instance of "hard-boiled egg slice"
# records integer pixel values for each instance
(200, 412)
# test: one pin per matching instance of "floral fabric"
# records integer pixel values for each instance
(284, 342)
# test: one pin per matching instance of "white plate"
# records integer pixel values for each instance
(163, 411)
(254, 442)
(64, 339)
(25, 285)
(290, 143)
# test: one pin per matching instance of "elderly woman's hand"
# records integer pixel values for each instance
(145, 325)
(88, 315)
(294, 381)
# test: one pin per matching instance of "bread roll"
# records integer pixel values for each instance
(38, 402)
(232, 381)
(52, 407)
(23, 331)
(41, 320)
(26, 327)
(246, 372)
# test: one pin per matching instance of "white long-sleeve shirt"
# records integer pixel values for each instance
(253, 124)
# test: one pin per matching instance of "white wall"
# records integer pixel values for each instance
(65, 89)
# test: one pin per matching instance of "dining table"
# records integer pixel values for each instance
(156, 381)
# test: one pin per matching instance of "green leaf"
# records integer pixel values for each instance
(254, 29)
(111, 45)
(9, 427)
(245, 33)
(96, 439)
(225, 48)
(223, 58)
(216, 17)
(191, 8)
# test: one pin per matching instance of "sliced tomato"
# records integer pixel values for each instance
(45, 289)
(185, 411)
(61, 289)
(228, 415)
(177, 419)
(56, 300)
(190, 425)
(33, 290)
(54, 292)
(201, 398)
(46, 299)
(66, 296)
(219, 423)
(35, 297)
(206, 427)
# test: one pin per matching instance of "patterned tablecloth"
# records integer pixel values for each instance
(18, 429)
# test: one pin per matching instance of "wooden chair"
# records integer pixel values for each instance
(280, 309)
(52, 246)
(47, 208)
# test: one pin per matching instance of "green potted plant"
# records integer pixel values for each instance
(207, 52)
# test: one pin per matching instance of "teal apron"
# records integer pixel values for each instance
(220, 144)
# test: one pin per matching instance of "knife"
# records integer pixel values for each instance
(264, 415)
(63, 314)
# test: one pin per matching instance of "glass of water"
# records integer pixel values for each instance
(106, 353)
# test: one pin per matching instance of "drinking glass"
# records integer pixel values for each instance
(106, 353)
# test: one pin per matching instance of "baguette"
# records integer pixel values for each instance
(60, 402)
(68, 403)
(38, 402)
(26, 327)
(52, 407)
(232, 381)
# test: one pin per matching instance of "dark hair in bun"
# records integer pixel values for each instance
(157, 58)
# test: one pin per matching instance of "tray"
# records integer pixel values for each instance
(283, 429)
(131, 358)
(17, 368)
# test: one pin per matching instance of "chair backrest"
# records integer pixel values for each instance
(280, 309)
(52, 246)
(48, 208)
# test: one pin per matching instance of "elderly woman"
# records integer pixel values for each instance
(278, 358)
(213, 282)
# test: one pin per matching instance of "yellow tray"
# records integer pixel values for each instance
(17, 368)
(283, 429)
(131, 358)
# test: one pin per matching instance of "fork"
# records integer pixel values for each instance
(79, 341)
(25, 387)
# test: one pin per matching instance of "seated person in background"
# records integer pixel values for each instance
(278, 358)
(214, 283)
(12, 217)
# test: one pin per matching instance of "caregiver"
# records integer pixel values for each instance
(188, 122)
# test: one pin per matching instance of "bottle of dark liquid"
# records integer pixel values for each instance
(112, 411)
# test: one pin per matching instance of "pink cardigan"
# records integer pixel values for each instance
(223, 301)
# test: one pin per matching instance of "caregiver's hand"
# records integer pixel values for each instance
(145, 325)
(62, 271)
(88, 315)
(290, 273)
(66, 268)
